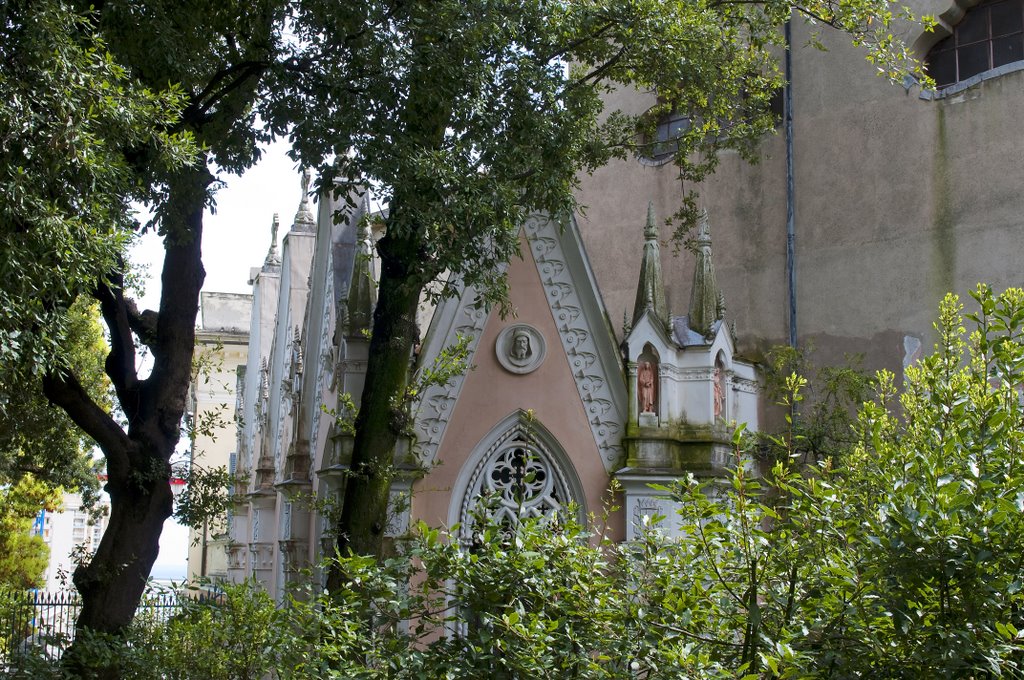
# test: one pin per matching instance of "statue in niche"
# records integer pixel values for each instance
(645, 378)
(719, 379)
(520, 352)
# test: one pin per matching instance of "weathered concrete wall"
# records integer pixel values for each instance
(899, 199)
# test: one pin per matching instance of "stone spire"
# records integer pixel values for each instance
(707, 305)
(273, 258)
(304, 216)
(650, 290)
(362, 293)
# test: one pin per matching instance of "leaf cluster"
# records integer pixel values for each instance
(68, 114)
(23, 557)
(40, 440)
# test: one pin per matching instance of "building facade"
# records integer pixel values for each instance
(222, 348)
(71, 532)
(898, 196)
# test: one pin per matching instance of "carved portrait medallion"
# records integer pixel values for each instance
(520, 348)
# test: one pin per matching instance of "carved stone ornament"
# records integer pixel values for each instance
(515, 478)
(520, 348)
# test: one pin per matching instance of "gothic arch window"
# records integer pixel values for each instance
(990, 35)
(518, 470)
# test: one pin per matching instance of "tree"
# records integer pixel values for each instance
(900, 559)
(68, 112)
(117, 102)
(23, 556)
(466, 117)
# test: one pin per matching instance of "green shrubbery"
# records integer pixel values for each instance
(902, 558)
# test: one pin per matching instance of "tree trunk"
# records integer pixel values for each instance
(113, 581)
(405, 269)
(138, 461)
(382, 412)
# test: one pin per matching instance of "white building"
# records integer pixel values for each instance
(222, 346)
(70, 532)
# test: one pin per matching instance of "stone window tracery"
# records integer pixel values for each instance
(517, 478)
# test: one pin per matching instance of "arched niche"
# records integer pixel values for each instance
(648, 382)
(719, 388)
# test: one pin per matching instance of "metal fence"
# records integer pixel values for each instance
(46, 620)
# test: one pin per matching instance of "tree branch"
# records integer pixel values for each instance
(239, 73)
(597, 34)
(599, 72)
(181, 280)
(64, 390)
(120, 363)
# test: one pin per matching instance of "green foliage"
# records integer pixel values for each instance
(450, 363)
(466, 117)
(820, 405)
(902, 560)
(942, 528)
(40, 440)
(237, 635)
(68, 112)
(23, 557)
(205, 499)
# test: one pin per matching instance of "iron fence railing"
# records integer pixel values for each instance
(45, 621)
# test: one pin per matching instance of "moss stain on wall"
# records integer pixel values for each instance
(944, 243)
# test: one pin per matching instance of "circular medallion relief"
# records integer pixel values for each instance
(520, 348)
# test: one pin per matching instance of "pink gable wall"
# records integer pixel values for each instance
(490, 393)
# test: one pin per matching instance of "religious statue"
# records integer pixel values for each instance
(645, 386)
(719, 393)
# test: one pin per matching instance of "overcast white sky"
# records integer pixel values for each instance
(235, 238)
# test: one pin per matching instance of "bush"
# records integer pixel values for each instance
(900, 558)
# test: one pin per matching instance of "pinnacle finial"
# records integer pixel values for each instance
(272, 256)
(362, 294)
(651, 229)
(707, 304)
(650, 290)
(703, 228)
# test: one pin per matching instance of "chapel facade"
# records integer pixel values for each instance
(554, 407)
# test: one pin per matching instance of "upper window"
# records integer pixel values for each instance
(669, 128)
(990, 35)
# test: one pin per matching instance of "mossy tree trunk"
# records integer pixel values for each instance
(406, 268)
(382, 413)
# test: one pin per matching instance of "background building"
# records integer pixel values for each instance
(70, 532)
(222, 346)
(899, 197)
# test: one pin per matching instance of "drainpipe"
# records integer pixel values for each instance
(790, 190)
